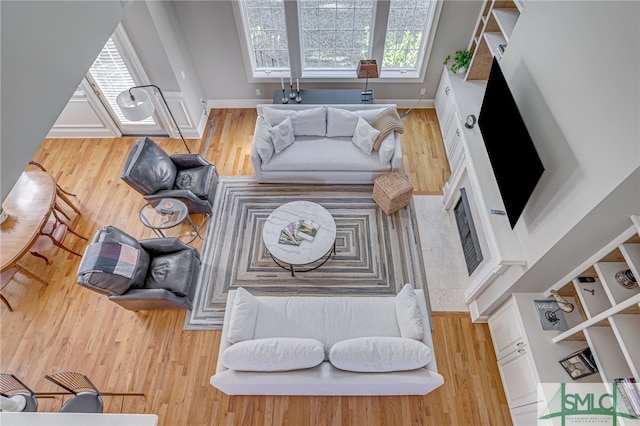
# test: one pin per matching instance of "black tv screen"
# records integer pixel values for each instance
(514, 159)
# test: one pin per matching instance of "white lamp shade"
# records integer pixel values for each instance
(136, 109)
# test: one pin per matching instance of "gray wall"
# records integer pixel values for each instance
(47, 48)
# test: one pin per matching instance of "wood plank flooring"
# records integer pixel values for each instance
(65, 327)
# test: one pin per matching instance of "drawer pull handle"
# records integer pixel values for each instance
(446, 90)
(458, 132)
(521, 351)
(520, 344)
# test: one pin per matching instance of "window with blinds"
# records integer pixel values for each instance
(110, 73)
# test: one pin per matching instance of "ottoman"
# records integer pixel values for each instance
(392, 192)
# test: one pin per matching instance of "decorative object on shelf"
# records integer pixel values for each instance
(136, 104)
(367, 68)
(471, 121)
(579, 364)
(292, 94)
(285, 100)
(562, 302)
(298, 97)
(550, 315)
(626, 279)
(629, 391)
(3, 214)
(461, 61)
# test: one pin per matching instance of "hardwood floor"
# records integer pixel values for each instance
(65, 327)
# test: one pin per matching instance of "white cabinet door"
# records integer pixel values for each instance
(518, 377)
(506, 332)
(526, 415)
(445, 106)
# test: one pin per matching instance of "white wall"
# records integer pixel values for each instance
(574, 69)
(47, 47)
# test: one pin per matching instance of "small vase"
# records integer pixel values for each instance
(626, 279)
(462, 70)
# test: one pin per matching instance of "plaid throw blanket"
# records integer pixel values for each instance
(113, 258)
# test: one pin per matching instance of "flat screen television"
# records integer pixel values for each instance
(514, 159)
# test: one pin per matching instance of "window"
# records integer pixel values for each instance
(326, 38)
(110, 73)
(265, 24)
(335, 34)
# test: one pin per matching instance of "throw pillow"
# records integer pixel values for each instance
(342, 122)
(262, 140)
(244, 312)
(282, 135)
(386, 149)
(379, 354)
(408, 313)
(364, 136)
(386, 122)
(195, 179)
(306, 122)
(169, 272)
(273, 354)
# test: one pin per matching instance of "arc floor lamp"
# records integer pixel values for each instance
(136, 104)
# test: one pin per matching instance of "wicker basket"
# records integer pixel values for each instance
(392, 192)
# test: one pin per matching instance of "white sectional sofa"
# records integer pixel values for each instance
(323, 149)
(313, 345)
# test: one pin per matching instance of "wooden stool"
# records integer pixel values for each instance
(392, 192)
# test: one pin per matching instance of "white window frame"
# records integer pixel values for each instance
(292, 17)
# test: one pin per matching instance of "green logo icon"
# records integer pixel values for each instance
(607, 406)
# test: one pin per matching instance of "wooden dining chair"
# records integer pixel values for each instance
(11, 386)
(60, 193)
(7, 275)
(53, 234)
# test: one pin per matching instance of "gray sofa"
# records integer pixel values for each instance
(322, 152)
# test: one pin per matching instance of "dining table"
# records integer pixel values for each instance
(28, 206)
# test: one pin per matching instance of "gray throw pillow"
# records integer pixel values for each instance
(195, 180)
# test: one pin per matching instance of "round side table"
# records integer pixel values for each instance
(164, 214)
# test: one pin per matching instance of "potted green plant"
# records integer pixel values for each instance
(461, 60)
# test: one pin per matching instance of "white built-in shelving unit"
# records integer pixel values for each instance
(493, 28)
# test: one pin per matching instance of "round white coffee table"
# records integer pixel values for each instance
(291, 257)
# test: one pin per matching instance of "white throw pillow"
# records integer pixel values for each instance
(364, 136)
(340, 122)
(387, 148)
(306, 122)
(244, 312)
(282, 135)
(408, 313)
(273, 354)
(379, 354)
(262, 140)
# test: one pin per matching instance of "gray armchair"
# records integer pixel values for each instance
(157, 273)
(156, 175)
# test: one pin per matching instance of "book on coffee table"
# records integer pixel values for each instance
(307, 229)
(285, 238)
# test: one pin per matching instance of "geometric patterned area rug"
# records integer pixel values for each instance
(375, 254)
